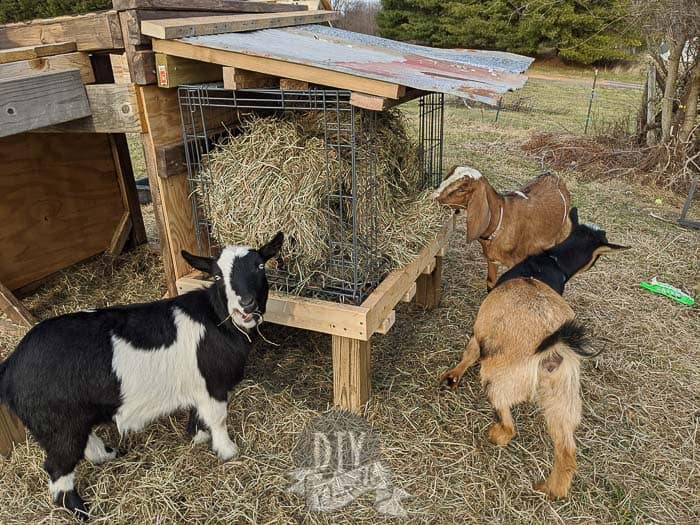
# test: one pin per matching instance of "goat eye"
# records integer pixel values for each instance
(217, 277)
(261, 266)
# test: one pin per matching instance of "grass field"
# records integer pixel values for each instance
(638, 443)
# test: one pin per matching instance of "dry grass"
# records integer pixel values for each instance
(638, 443)
(279, 173)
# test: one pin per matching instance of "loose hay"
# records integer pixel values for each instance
(277, 175)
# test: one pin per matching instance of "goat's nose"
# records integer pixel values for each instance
(247, 302)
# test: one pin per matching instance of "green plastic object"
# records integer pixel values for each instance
(668, 290)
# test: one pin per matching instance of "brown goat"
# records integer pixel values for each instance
(513, 225)
(530, 347)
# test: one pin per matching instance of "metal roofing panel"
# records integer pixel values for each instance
(476, 75)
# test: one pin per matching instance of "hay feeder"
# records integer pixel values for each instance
(353, 288)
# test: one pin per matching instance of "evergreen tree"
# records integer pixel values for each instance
(20, 10)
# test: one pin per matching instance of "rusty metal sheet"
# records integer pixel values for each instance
(470, 74)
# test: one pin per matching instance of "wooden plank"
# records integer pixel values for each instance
(35, 101)
(60, 203)
(371, 102)
(127, 186)
(169, 28)
(121, 235)
(120, 68)
(14, 309)
(410, 294)
(79, 61)
(395, 286)
(236, 78)
(351, 373)
(115, 109)
(11, 431)
(428, 286)
(90, 32)
(430, 267)
(171, 160)
(241, 6)
(175, 71)
(280, 68)
(134, 30)
(387, 323)
(41, 50)
(301, 312)
(141, 59)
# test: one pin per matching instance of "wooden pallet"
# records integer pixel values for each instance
(352, 327)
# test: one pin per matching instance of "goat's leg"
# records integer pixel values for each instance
(212, 412)
(502, 432)
(560, 399)
(491, 275)
(470, 356)
(63, 452)
(96, 452)
(197, 429)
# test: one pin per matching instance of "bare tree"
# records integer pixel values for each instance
(357, 15)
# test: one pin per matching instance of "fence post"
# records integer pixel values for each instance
(590, 102)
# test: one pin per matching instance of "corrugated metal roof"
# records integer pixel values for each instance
(471, 74)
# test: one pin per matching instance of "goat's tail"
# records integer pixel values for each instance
(573, 335)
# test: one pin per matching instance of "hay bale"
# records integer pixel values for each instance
(278, 175)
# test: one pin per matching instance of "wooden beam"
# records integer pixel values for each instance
(11, 431)
(236, 78)
(79, 61)
(115, 109)
(14, 309)
(374, 103)
(212, 25)
(429, 286)
(241, 6)
(171, 160)
(41, 50)
(90, 32)
(351, 373)
(175, 71)
(127, 186)
(289, 84)
(121, 235)
(430, 267)
(141, 59)
(280, 68)
(120, 68)
(387, 323)
(410, 294)
(395, 286)
(35, 101)
(301, 312)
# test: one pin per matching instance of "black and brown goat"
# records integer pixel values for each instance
(513, 225)
(529, 346)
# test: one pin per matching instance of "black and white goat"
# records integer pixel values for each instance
(133, 364)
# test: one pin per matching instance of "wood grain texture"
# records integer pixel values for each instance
(171, 160)
(14, 309)
(211, 25)
(79, 61)
(280, 68)
(120, 68)
(90, 32)
(351, 373)
(373, 103)
(115, 109)
(236, 78)
(121, 235)
(428, 286)
(175, 71)
(35, 101)
(40, 50)
(141, 59)
(11, 431)
(127, 187)
(59, 203)
(240, 6)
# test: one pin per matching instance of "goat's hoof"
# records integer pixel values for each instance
(499, 435)
(450, 379)
(228, 452)
(202, 436)
(551, 490)
(72, 501)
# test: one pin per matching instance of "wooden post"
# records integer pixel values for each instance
(351, 373)
(651, 90)
(428, 286)
(11, 431)
(14, 309)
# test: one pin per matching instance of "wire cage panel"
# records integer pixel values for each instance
(351, 268)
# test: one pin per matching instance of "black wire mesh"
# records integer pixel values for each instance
(352, 265)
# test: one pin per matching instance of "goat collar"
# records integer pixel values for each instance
(498, 226)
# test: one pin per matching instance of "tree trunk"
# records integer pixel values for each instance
(691, 105)
(674, 60)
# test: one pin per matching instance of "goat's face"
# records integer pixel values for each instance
(465, 188)
(590, 241)
(239, 274)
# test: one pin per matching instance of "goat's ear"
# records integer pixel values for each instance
(573, 215)
(478, 213)
(269, 250)
(610, 247)
(203, 264)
